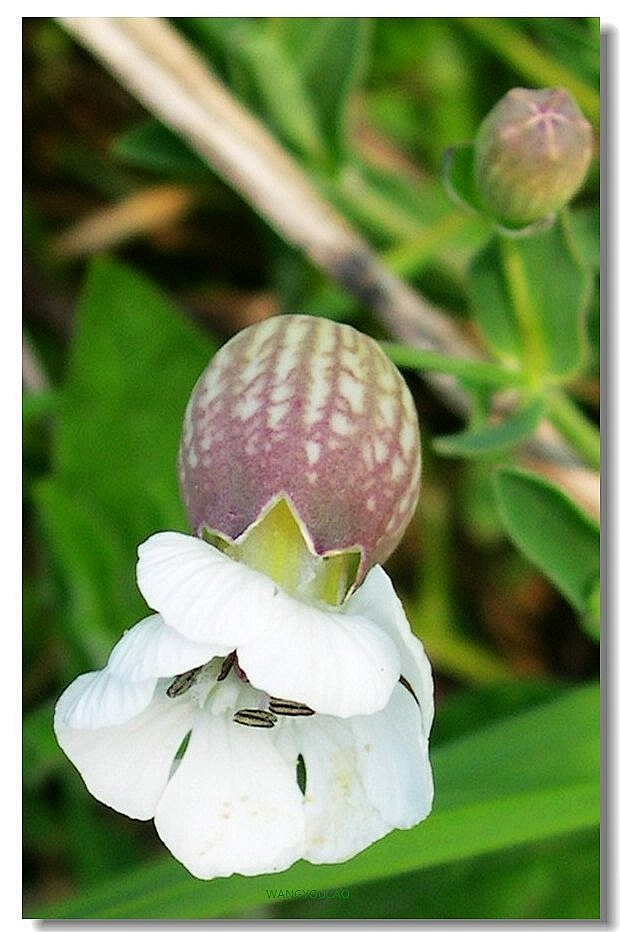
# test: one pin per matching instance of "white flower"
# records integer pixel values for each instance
(346, 765)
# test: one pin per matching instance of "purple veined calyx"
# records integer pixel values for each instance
(311, 413)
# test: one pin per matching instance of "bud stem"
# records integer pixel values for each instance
(576, 428)
(535, 356)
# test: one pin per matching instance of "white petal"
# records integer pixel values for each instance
(340, 819)
(154, 649)
(377, 599)
(97, 700)
(199, 591)
(364, 777)
(335, 663)
(127, 766)
(393, 761)
(233, 804)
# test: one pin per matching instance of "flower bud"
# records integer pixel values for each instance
(532, 153)
(313, 412)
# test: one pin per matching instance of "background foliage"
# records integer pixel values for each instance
(499, 568)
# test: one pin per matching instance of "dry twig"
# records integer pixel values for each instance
(145, 211)
(34, 377)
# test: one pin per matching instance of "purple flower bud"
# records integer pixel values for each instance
(532, 153)
(311, 411)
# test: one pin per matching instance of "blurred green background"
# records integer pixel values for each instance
(120, 318)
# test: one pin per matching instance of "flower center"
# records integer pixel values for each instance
(259, 716)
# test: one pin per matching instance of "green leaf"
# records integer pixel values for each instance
(491, 303)
(215, 38)
(533, 776)
(509, 40)
(553, 745)
(552, 532)
(491, 439)
(155, 147)
(585, 227)
(133, 363)
(576, 428)
(467, 710)
(96, 569)
(554, 879)
(573, 42)
(530, 290)
(36, 405)
(459, 180)
(332, 65)
(474, 371)
(591, 620)
(41, 752)
(286, 103)
(477, 501)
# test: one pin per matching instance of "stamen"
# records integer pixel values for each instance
(289, 707)
(409, 688)
(257, 718)
(227, 666)
(240, 673)
(183, 682)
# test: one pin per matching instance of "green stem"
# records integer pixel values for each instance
(525, 313)
(582, 435)
(415, 243)
(408, 257)
(434, 607)
(485, 373)
(460, 658)
(533, 63)
(373, 208)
